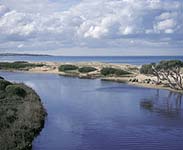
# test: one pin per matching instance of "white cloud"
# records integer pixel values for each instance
(3, 10)
(32, 6)
(166, 25)
(89, 23)
(20, 45)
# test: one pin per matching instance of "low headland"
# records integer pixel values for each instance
(164, 75)
(22, 116)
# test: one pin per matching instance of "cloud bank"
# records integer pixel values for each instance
(35, 24)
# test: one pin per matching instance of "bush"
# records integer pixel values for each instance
(146, 69)
(67, 67)
(120, 72)
(87, 69)
(18, 65)
(2, 94)
(113, 71)
(15, 90)
(107, 71)
(21, 62)
(22, 117)
(4, 84)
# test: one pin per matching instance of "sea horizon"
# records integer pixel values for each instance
(135, 60)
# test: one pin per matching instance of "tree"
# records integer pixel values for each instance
(169, 71)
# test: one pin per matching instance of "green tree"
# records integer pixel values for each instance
(169, 71)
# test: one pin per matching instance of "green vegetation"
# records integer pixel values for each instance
(18, 65)
(4, 84)
(113, 71)
(86, 69)
(67, 67)
(21, 116)
(169, 71)
(146, 69)
(15, 90)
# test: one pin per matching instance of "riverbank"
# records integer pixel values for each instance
(22, 116)
(133, 78)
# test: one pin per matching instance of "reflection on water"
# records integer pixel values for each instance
(98, 115)
(169, 104)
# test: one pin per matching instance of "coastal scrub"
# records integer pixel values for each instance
(86, 69)
(21, 116)
(113, 71)
(67, 67)
(18, 65)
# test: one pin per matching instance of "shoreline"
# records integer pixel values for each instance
(52, 68)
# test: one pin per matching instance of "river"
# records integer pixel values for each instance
(98, 115)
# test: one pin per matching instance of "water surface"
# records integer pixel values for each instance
(96, 115)
(135, 60)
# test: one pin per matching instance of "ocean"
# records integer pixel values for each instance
(135, 60)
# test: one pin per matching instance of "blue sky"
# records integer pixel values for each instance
(92, 27)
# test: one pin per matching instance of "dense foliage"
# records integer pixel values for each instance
(21, 116)
(169, 71)
(86, 69)
(67, 67)
(146, 69)
(4, 84)
(113, 71)
(15, 90)
(18, 65)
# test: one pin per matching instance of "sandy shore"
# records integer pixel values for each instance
(135, 78)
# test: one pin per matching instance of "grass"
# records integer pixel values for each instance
(21, 116)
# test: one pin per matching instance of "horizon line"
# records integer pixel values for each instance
(38, 54)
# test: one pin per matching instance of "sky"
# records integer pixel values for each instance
(92, 27)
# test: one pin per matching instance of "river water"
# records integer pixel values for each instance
(98, 115)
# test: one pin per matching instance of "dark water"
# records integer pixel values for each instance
(136, 60)
(96, 115)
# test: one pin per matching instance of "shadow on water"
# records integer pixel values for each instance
(170, 105)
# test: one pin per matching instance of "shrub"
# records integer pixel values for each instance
(67, 67)
(121, 72)
(15, 90)
(87, 69)
(146, 69)
(2, 94)
(4, 84)
(18, 65)
(113, 71)
(21, 62)
(15, 119)
(108, 71)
